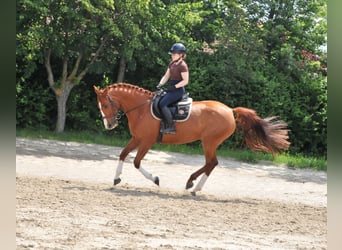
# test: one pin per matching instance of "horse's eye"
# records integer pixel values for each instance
(105, 106)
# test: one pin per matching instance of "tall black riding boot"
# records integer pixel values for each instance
(170, 126)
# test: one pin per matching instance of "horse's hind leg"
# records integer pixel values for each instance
(205, 170)
(210, 164)
(193, 177)
(132, 144)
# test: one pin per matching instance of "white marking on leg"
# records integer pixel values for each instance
(146, 174)
(200, 184)
(118, 170)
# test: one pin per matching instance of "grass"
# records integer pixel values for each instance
(119, 140)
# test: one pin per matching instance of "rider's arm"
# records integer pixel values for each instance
(165, 78)
(185, 80)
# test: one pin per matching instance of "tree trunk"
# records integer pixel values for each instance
(62, 95)
(67, 82)
(122, 69)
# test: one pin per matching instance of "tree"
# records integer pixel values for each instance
(73, 38)
(68, 37)
(149, 31)
(261, 54)
(294, 73)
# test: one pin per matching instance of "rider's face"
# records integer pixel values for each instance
(175, 56)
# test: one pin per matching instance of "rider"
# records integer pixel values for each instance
(178, 74)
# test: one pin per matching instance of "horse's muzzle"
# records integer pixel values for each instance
(110, 125)
(111, 122)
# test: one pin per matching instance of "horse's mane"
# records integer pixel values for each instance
(131, 88)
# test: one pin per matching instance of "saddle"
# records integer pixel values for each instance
(180, 109)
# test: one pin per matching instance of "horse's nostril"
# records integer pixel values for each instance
(111, 125)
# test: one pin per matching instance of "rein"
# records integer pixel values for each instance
(125, 112)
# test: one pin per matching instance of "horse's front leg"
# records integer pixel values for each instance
(132, 144)
(140, 155)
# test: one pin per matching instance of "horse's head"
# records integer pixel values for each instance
(109, 108)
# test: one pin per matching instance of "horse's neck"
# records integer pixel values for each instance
(129, 97)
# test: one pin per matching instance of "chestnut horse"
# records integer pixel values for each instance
(210, 121)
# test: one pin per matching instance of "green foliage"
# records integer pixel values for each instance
(262, 55)
(33, 110)
(303, 105)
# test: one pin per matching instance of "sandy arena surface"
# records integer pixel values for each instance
(65, 200)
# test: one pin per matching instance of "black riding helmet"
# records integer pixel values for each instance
(178, 48)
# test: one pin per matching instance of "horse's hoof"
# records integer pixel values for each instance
(189, 185)
(117, 181)
(193, 193)
(156, 180)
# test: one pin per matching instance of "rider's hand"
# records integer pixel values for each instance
(159, 86)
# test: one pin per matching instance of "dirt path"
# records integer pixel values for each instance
(65, 200)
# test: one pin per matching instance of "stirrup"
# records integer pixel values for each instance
(169, 130)
(165, 129)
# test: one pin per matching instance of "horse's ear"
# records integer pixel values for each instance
(97, 90)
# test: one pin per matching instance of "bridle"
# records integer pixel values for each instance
(120, 112)
(112, 104)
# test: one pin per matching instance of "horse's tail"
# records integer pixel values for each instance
(268, 134)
